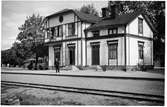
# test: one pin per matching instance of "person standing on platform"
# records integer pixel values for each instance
(57, 65)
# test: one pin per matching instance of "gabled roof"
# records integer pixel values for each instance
(119, 20)
(82, 16)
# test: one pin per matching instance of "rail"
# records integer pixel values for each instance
(109, 93)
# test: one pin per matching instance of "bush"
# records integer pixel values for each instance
(30, 66)
(104, 67)
(40, 67)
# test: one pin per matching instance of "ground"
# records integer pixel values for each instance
(34, 96)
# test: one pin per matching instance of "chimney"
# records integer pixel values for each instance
(113, 11)
(105, 12)
(110, 12)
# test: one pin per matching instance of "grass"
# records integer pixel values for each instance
(33, 96)
(33, 100)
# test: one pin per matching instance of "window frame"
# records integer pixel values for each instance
(112, 30)
(96, 33)
(60, 34)
(141, 50)
(113, 50)
(56, 32)
(49, 33)
(71, 26)
(140, 25)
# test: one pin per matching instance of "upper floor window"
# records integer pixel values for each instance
(140, 25)
(113, 31)
(49, 33)
(56, 31)
(60, 31)
(71, 29)
(95, 33)
(52, 31)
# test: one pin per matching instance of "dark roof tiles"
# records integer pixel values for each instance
(83, 16)
(118, 20)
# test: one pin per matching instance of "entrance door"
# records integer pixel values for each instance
(95, 55)
(57, 53)
(72, 55)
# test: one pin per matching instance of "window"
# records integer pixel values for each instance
(140, 25)
(52, 31)
(110, 31)
(49, 35)
(95, 33)
(112, 49)
(71, 29)
(60, 31)
(56, 32)
(113, 31)
(141, 51)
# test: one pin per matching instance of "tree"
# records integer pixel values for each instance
(156, 13)
(31, 38)
(9, 57)
(89, 9)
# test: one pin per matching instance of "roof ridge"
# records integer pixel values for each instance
(83, 16)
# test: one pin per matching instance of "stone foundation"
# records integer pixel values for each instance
(105, 67)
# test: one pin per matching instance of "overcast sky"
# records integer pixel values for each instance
(14, 14)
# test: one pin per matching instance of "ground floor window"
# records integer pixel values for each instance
(141, 51)
(112, 51)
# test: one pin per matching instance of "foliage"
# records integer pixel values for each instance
(31, 37)
(156, 13)
(89, 9)
(30, 42)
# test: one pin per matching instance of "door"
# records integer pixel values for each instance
(112, 54)
(72, 55)
(141, 53)
(57, 53)
(95, 55)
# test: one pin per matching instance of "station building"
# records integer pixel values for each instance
(120, 40)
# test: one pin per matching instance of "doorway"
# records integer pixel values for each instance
(72, 55)
(57, 53)
(95, 54)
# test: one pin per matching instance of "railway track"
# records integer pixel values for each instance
(109, 93)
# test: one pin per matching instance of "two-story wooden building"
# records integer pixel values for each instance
(65, 36)
(122, 40)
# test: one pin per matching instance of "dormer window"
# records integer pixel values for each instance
(95, 33)
(113, 31)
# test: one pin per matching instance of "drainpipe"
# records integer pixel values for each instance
(85, 47)
(125, 48)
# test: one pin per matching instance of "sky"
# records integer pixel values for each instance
(14, 14)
